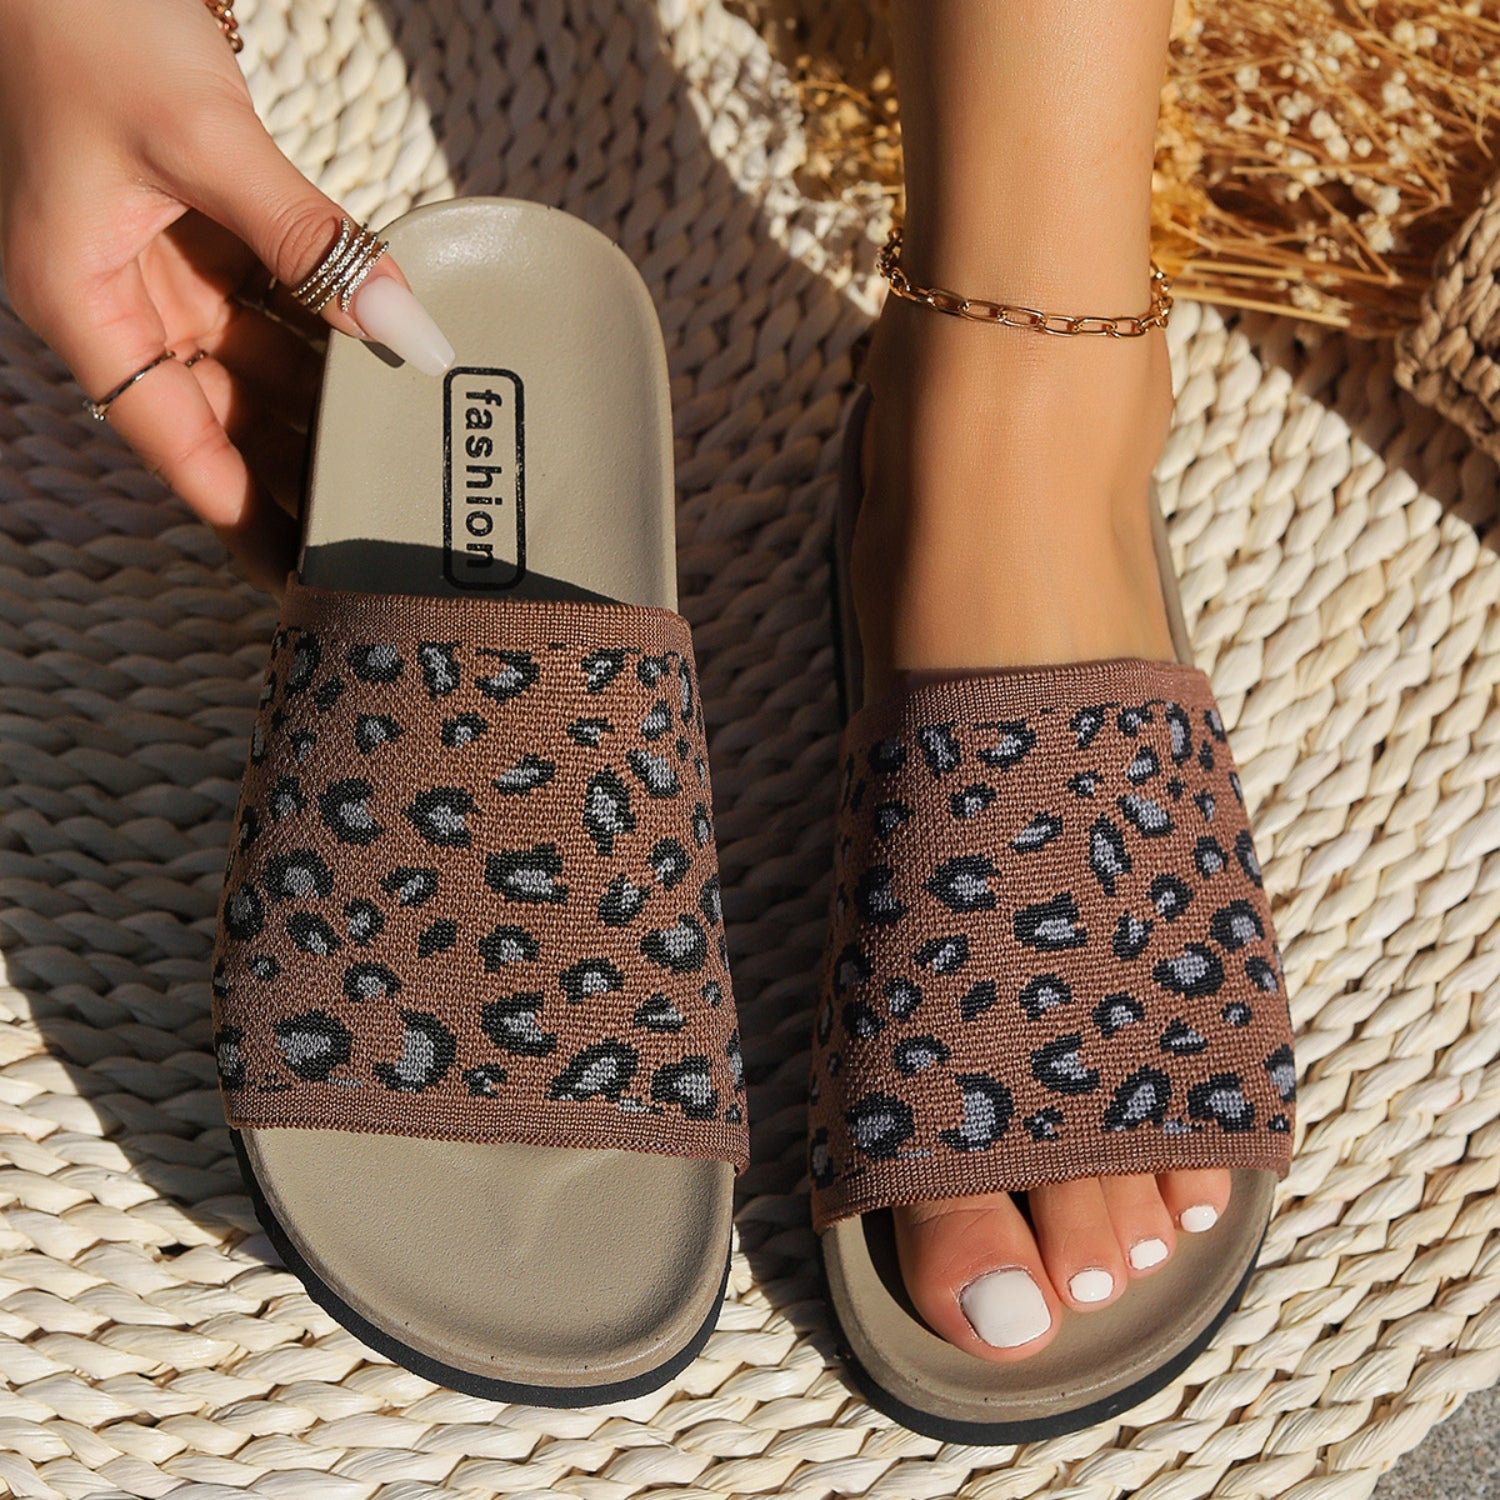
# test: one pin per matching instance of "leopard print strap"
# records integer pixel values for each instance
(473, 892)
(1050, 953)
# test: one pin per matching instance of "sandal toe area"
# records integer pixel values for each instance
(533, 1265)
(1098, 1365)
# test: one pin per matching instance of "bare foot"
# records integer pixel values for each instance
(1006, 522)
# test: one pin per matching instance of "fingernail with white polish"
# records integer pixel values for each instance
(1005, 1308)
(1199, 1217)
(1092, 1285)
(1147, 1253)
(391, 315)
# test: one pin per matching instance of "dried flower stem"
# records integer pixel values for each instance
(1319, 151)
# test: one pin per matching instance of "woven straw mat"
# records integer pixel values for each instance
(1450, 358)
(1337, 548)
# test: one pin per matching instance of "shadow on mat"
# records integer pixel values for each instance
(129, 1023)
(1347, 374)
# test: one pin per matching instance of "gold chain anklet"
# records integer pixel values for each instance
(1007, 315)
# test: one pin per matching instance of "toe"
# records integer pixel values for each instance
(1077, 1239)
(974, 1272)
(1196, 1200)
(1142, 1223)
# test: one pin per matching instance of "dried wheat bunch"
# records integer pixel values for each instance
(1313, 155)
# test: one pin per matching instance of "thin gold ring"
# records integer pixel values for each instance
(99, 410)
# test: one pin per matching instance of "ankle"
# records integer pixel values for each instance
(994, 419)
(1022, 383)
(1006, 515)
(964, 590)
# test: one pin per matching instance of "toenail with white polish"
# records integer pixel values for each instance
(1199, 1217)
(1147, 1253)
(1092, 1285)
(1005, 1308)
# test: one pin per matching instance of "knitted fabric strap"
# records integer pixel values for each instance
(473, 892)
(1050, 953)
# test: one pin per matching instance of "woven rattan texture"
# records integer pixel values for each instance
(1337, 544)
(1451, 357)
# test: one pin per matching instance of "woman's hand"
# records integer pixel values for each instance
(139, 193)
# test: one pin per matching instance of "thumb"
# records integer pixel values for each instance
(294, 229)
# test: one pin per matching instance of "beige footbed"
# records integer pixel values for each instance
(532, 1265)
(1095, 1355)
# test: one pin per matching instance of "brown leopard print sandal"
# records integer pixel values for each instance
(473, 1017)
(1050, 956)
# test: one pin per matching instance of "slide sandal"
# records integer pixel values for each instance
(1050, 956)
(473, 1017)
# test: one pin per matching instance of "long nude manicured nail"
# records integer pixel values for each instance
(1092, 1285)
(391, 315)
(1147, 1253)
(1005, 1308)
(1199, 1217)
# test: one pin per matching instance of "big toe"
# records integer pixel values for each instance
(973, 1270)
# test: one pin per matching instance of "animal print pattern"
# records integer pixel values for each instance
(473, 891)
(1050, 952)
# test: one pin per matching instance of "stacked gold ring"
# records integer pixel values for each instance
(343, 270)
